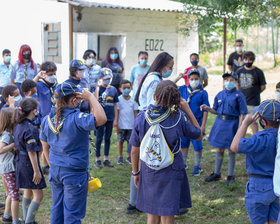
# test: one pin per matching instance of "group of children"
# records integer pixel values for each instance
(30, 101)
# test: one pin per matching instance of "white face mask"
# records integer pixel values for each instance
(277, 95)
(194, 84)
(51, 79)
(239, 49)
(17, 100)
(90, 61)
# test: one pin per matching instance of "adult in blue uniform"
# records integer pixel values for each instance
(161, 193)
(230, 107)
(65, 138)
(5, 73)
(261, 202)
(24, 68)
(92, 72)
(77, 70)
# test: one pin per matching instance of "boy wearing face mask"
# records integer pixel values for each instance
(235, 60)
(11, 95)
(196, 96)
(251, 82)
(107, 96)
(126, 113)
(230, 108)
(92, 72)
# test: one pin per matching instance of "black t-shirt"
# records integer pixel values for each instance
(250, 82)
(235, 60)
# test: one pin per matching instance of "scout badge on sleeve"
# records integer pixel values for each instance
(154, 150)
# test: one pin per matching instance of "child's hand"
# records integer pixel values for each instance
(202, 129)
(85, 95)
(37, 178)
(11, 101)
(183, 103)
(42, 74)
(250, 119)
(136, 181)
(181, 75)
(204, 107)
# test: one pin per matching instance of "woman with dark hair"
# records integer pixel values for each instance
(114, 62)
(160, 68)
(92, 72)
(24, 68)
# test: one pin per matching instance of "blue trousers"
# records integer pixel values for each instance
(69, 195)
(106, 132)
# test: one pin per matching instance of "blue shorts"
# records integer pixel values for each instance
(197, 145)
(261, 203)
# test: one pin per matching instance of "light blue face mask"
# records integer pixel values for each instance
(229, 85)
(17, 100)
(107, 81)
(114, 56)
(167, 73)
(7, 59)
(143, 62)
(126, 92)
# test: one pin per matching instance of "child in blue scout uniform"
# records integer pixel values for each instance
(161, 193)
(65, 138)
(7, 166)
(11, 95)
(28, 171)
(107, 96)
(261, 203)
(92, 72)
(77, 70)
(195, 96)
(230, 107)
(24, 68)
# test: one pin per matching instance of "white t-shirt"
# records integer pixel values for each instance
(276, 176)
(126, 113)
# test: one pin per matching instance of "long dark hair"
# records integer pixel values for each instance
(6, 123)
(118, 60)
(25, 107)
(167, 95)
(158, 64)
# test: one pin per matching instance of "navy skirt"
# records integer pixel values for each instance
(223, 132)
(24, 174)
(164, 192)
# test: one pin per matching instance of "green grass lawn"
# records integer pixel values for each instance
(213, 203)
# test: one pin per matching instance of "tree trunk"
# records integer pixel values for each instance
(273, 43)
(225, 44)
(277, 40)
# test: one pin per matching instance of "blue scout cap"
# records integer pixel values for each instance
(269, 109)
(65, 89)
(106, 73)
(77, 64)
(232, 74)
(193, 71)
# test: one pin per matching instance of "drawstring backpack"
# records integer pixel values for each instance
(154, 150)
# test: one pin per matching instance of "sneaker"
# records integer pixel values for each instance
(120, 161)
(107, 163)
(2, 206)
(98, 164)
(128, 159)
(230, 180)
(7, 220)
(197, 171)
(131, 209)
(213, 177)
(45, 170)
(204, 137)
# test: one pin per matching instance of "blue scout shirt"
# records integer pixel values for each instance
(107, 97)
(230, 102)
(46, 98)
(18, 73)
(27, 138)
(198, 99)
(260, 152)
(92, 76)
(69, 148)
(136, 75)
(5, 73)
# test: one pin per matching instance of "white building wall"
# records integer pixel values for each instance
(139, 27)
(21, 23)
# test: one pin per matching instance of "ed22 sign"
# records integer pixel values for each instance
(154, 45)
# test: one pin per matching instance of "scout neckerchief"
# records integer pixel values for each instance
(25, 71)
(192, 92)
(52, 122)
(156, 114)
(51, 87)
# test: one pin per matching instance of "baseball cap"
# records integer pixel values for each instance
(77, 64)
(65, 89)
(106, 73)
(193, 71)
(269, 109)
(232, 74)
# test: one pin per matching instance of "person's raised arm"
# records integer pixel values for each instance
(178, 77)
(95, 108)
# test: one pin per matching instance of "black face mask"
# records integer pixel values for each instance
(248, 64)
(27, 56)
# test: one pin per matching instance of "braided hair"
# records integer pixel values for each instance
(167, 95)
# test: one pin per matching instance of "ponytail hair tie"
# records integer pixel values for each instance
(20, 108)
